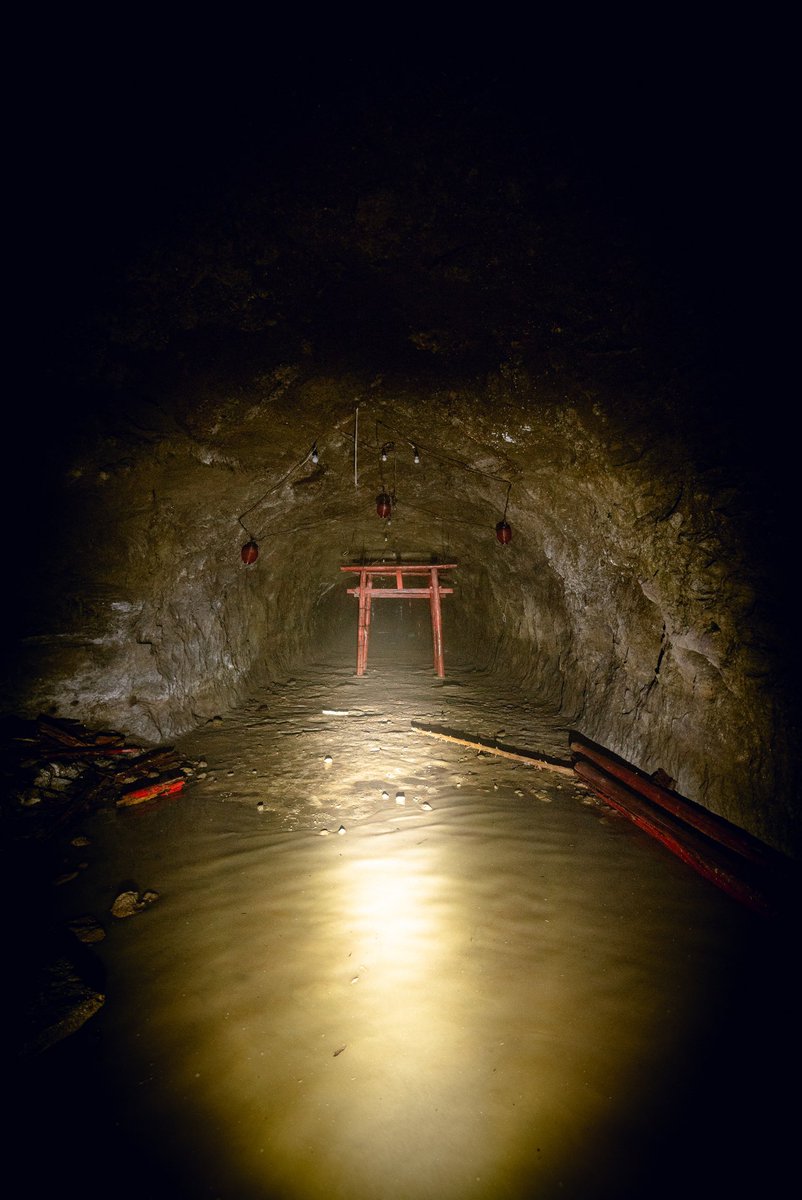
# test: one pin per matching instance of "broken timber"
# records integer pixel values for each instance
(491, 746)
(739, 864)
(71, 770)
(164, 787)
(736, 862)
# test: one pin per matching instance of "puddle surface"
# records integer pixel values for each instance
(496, 989)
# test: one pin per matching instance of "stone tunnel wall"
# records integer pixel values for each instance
(623, 599)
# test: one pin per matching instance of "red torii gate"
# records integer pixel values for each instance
(367, 593)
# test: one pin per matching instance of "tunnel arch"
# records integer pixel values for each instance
(624, 600)
(572, 333)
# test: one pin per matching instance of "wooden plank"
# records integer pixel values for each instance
(164, 787)
(493, 747)
(57, 732)
(743, 881)
(702, 819)
(403, 593)
(407, 568)
(87, 752)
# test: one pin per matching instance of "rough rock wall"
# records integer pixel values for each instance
(563, 304)
(625, 598)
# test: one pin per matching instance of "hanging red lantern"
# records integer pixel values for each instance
(503, 532)
(249, 553)
(384, 505)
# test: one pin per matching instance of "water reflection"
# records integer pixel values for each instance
(486, 1002)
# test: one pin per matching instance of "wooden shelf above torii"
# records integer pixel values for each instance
(367, 592)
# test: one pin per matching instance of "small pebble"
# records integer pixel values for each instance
(260, 807)
(328, 760)
(341, 829)
(426, 806)
(400, 798)
(324, 833)
(385, 795)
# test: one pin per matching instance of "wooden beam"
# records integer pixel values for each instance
(695, 815)
(492, 747)
(753, 886)
(437, 624)
(406, 568)
(401, 593)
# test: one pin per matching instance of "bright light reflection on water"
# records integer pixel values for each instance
(485, 1001)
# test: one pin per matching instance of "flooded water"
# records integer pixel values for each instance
(416, 972)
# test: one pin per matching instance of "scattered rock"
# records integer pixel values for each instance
(63, 1001)
(67, 877)
(87, 929)
(128, 903)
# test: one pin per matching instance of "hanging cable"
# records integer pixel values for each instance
(275, 488)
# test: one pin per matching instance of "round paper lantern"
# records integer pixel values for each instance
(249, 553)
(384, 505)
(503, 532)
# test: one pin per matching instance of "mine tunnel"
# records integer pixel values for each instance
(385, 936)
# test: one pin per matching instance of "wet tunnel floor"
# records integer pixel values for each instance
(495, 989)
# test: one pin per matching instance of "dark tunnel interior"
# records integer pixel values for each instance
(502, 291)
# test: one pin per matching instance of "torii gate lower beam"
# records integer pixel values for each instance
(367, 593)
